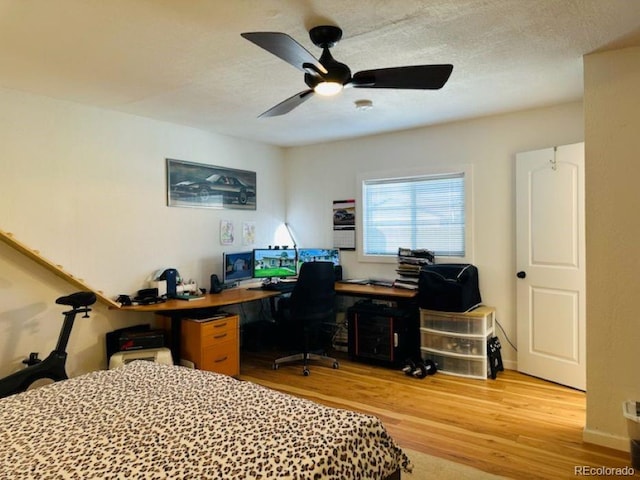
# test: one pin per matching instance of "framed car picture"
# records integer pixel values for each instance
(207, 186)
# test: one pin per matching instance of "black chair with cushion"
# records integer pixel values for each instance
(308, 315)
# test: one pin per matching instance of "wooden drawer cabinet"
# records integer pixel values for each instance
(212, 344)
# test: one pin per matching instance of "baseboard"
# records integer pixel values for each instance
(606, 440)
(510, 364)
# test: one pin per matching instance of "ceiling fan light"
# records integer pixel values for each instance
(328, 88)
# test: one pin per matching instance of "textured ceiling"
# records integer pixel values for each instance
(183, 61)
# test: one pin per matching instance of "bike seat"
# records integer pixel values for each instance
(78, 299)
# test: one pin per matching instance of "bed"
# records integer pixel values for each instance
(150, 421)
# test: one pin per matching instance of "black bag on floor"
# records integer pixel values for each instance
(449, 287)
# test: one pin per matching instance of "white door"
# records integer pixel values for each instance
(550, 259)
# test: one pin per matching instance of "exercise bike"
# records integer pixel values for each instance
(52, 367)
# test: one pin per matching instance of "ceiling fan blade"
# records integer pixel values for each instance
(289, 104)
(285, 47)
(427, 77)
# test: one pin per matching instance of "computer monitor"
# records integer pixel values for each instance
(272, 263)
(319, 255)
(237, 266)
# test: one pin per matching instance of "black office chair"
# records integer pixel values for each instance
(308, 315)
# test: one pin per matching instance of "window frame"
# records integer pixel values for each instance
(434, 171)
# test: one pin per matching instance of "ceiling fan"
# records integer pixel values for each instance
(327, 76)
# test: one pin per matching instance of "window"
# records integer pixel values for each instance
(418, 211)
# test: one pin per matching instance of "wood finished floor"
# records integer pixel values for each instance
(515, 426)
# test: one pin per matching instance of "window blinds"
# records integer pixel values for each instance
(415, 212)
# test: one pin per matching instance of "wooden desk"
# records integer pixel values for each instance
(176, 310)
(231, 296)
(375, 291)
(234, 296)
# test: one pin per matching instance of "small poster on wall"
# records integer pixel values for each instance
(248, 233)
(344, 224)
(226, 232)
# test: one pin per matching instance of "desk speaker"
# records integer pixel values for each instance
(337, 270)
(216, 286)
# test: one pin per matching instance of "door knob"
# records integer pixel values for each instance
(521, 274)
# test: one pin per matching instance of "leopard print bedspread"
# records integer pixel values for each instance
(150, 421)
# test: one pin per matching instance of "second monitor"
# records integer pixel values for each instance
(272, 263)
(319, 255)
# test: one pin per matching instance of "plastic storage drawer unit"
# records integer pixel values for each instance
(457, 342)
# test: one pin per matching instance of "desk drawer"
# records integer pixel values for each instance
(217, 331)
(221, 358)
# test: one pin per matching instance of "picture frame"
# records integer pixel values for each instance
(344, 224)
(199, 185)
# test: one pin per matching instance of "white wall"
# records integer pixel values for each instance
(317, 175)
(612, 145)
(86, 188)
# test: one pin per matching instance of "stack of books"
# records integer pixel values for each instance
(409, 264)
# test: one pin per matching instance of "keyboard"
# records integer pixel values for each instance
(381, 283)
(369, 281)
(284, 287)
